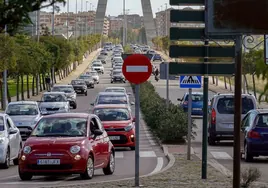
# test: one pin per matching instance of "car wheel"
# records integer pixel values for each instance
(110, 166)
(211, 141)
(98, 82)
(74, 106)
(6, 164)
(24, 176)
(112, 82)
(247, 155)
(89, 172)
(132, 148)
(86, 93)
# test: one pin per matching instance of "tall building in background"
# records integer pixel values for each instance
(31, 28)
(133, 20)
(162, 21)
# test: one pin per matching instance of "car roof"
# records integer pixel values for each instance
(111, 106)
(232, 94)
(195, 93)
(78, 80)
(54, 92)
(93, 71)
(262, 111)
(84, 75)
(62, 85)
(112, 93)
(23, 102)
(115, 88)
(74, 115)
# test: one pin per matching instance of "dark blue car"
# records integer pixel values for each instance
(157, 57)
(197, 103)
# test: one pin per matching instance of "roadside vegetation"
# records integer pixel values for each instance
(167, 124)
(254, 69)
(128, 49)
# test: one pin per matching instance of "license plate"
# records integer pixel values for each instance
(114, 137)
(48, 161)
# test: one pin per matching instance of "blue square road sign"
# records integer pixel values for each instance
(190, 82)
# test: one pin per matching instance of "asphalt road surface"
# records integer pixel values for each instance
(220, 155)
(152, 158)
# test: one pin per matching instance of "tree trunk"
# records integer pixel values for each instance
(246, 83)
(213, 80)
(254, 86)
(217, 80)
(33, 86)
(40, 83)
(2, 93)
(18, 87)
(8, 95)
(22, 87)
(28, 86)
(43, 82)
(59, 76)
(225, 83)
(243, 84)
(36, 85)
(55, 80)
(230, 83)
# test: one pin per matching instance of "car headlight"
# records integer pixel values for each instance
(129, 127)
(75, 149)
(27, 149)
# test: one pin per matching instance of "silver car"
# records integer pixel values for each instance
(221, 115)
(54, 102)
(25, 115)
(10, 141)
(69, 92)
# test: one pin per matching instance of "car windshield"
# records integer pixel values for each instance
(118, 60)
(195, 97)
(2, 126)
(117, 73)
(226, 105)
(101, 57)
(61, 127)
(115, 90)
(157, 56)
(93, 73)
(262, 121)
(85, 77)
(96, 65)
(110, 114)
(112, 99)
(53, 98)
(63, 89)
(22, 109)
(77, 82)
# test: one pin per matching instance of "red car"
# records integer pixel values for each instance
(69, 143)
(118, 123)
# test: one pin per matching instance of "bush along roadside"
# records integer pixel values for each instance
(168, 124)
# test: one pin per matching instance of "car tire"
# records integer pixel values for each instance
(132, 148)
(109, 170)
(247, 155)
(74, 106)
(89, 171)
(25, 176)
(86, 93)
(6, 164)
(211, 141)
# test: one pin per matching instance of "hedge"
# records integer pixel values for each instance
(168, 124)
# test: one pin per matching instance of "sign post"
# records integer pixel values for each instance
(137, 69)
(266, 49)
(190, 82)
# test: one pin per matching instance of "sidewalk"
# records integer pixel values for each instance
(73, 75)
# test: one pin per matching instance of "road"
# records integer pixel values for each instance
(220, 155)
(152, 157)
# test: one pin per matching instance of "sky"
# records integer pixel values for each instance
(115, 7)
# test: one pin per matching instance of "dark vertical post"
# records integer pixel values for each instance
(137, 135)
(205, 113)
(237, 114)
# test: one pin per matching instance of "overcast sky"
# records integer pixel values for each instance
(115, 7)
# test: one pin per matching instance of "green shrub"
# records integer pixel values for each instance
(128, 49)
(168, 124)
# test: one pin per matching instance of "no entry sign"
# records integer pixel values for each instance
(137, 68)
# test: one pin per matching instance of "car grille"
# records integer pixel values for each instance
(97, 69)
(49, 167)
(78, 88)
(52, 109)
(114, 129)
(123, 140)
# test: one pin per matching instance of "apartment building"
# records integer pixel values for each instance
(115, 24)
(162, 21)
(133, 20)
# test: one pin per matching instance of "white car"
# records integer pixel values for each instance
(98, 66)
(116, 89)
(117, 60)
(116, 55)
(10, 141)
(95, 76)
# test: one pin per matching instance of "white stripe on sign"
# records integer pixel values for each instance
(137, 68)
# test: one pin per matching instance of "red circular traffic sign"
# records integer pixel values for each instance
(137, 68)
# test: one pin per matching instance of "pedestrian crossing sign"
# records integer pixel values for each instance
(190, 82)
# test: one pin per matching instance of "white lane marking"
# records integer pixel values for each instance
(119, 154)
(221, 155)
(159, 165)
(14, 176)
(147, 154)
(149, 136)
(137, 68)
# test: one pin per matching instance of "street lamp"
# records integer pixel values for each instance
(86, 19)
(81, 18)
(67, 19)
(166, 20)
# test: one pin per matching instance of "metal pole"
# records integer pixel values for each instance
(205, 114)
(86, 20)
(189, 124)
(137, 135)
(38, 26)
(166, 21)
(124, 24)
(53, 33)
(5, 77)
(81, 18)
(76, 22)
(167, 84)
(237, 114)
(68, 7)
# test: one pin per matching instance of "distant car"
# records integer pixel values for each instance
(11, 142)
(71, 143)
(118, 123)
(69, 91)
(54, 102)
(115, 55)
(221, 115)
(115, 89)
(80, 86)
(104, 52)
(98, 67)
(197, 102)
(157, 57)
(151, 52)
(95, 61)
(102, 58)
(95, 76)
(88, 79)
(117, 76)
(25, 115)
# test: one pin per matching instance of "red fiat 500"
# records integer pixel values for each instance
(69, 143)
(118, 123)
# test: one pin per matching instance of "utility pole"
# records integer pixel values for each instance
(68, 19)
(81, 18)
(166, 20)
(5, 77)
(53, 34)
(76, 22)
(124, 22)
(87, 19)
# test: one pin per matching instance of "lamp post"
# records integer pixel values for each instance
(81, 18)
(166, 20)
(68, 19)
(87, 20)
(76, 22)
(124, 23)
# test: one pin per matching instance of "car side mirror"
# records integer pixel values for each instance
(98, 132)
(92, 104)
(129, 93)
(178, 99)
(133, 119)
(12, 131)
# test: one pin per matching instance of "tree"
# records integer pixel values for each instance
(16, 12)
